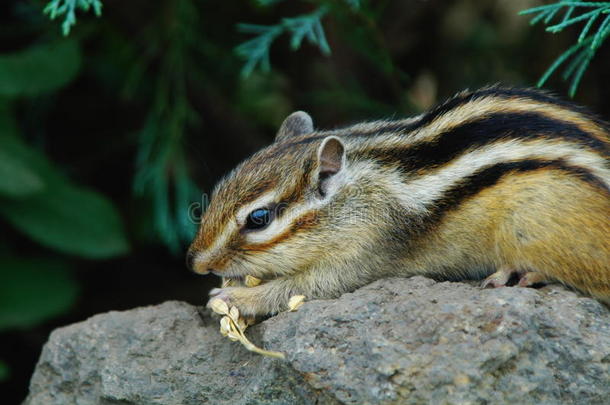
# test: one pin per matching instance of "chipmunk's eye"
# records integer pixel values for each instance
(258, 219)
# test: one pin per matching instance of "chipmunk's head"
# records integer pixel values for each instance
(265, 217)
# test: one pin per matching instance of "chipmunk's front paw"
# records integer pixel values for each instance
(240, 297)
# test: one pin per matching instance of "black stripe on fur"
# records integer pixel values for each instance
(472, 135)
(489, 176)
(502, 93)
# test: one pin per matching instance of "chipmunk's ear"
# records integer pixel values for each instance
(297, 123)
(331, 159)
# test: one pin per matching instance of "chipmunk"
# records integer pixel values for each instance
(492, 183)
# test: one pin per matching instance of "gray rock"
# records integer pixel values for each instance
(407, 341)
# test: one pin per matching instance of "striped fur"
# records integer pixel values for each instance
(490, 179)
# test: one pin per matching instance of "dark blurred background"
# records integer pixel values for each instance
(110, 134)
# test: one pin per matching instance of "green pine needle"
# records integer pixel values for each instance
(587, 28)
(255, 52)
(588, 43)
(308, 26)
(67, 8)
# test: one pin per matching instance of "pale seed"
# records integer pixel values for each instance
(219, 306)
(234, 313)
(225, 325)
(295, 302)
(252, 281)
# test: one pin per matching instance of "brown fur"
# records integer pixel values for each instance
(498, 179)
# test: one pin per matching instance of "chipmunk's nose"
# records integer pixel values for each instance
(195, 265)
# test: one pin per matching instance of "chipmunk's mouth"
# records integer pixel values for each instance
(200, 271)
(233, 275)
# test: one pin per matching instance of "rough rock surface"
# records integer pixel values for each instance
(407, 341)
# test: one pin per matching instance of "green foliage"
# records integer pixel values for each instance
(161, 163)
(356, 24)
(161, 173)
(69, 219)
(591, 37)
(40, 201)
(32, 291)
(67, 8)
(16, 178)
(39, 69)
(4, 371)
(308, 26)
(255, 51)
(49, 208)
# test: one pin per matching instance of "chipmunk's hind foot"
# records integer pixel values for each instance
(508, 276)
(532, 279)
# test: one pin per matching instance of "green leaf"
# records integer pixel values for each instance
(5, 372)
(70, 219)
(16, 178)
(39, 69)
(60, 215)
(12, 145)
(32, 291)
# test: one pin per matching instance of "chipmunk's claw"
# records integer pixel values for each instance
(499, 278)
(502, 278)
